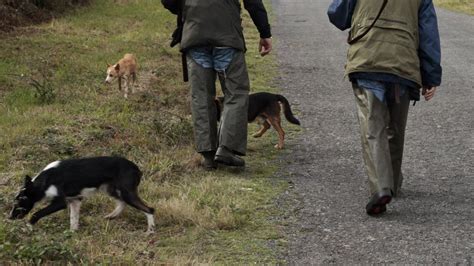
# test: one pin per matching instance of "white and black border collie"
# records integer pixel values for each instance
(66, 183)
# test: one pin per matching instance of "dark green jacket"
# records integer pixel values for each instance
(212, 23)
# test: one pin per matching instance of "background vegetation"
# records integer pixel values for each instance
(466, 6)
(54, 105)
(14, 13)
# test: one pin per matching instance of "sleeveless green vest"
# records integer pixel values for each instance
(212, 23)
(391, 46)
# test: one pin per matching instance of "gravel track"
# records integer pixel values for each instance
(325, 220)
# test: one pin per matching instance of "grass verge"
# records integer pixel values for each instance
(465, 6)
(53, 106)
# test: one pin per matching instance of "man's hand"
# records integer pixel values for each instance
(265, 46)
(428, 92)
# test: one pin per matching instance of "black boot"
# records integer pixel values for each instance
(378, 201)
(209, 163)
(227, 157)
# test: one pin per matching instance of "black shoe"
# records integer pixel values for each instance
(209, 163)
(378, 201)
(226, 157)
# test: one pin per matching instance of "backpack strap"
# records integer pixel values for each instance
(351, 40)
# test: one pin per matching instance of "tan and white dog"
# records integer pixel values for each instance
(126, 68)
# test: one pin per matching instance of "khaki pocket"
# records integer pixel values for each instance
(388, 30)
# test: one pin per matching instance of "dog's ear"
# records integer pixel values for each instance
(117, 67)
(108, 65)
(28, 181)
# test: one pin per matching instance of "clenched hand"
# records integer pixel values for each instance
(265, 46)
(428, 92)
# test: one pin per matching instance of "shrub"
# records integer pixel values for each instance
(43, 89)
(175, 130)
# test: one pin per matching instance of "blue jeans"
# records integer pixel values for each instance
(217, 58)
(384, 91)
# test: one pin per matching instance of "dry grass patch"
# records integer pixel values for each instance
(202, 217)
(466, 6)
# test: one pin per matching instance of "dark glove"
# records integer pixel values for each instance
(171, 5)
(176, 36)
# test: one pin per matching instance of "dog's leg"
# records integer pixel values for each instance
(131, 198)
(117, 211)
(127, 85)
(130, 83)
(75, 207)
(263, 129)
(276, 123)
(56, 204)
(134, 79)
(150, 218)
(120, 83)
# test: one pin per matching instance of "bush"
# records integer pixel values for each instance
(174, 130)
(16, 13)
(43, 89)
(58, 5)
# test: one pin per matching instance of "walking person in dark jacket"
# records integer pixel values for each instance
(214, 44)
(394, 51)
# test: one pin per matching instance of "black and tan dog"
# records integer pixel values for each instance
(265, 108)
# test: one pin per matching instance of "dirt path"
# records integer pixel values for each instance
(433, 221)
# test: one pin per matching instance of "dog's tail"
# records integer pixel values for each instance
(219, 102)
(287, 110)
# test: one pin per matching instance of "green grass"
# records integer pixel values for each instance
(466, 6)
(218, 217)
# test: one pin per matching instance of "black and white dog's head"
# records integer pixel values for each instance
(24, 201)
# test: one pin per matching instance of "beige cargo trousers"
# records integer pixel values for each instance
(382, 127)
